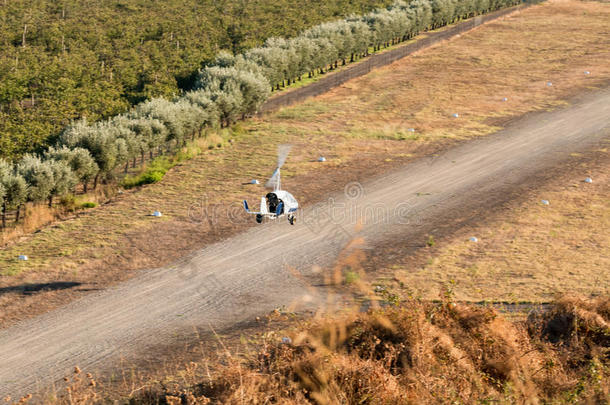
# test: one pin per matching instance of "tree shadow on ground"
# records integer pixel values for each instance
(34, 288)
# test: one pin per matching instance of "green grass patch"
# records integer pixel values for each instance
(153, 173)
(390, 134)
(306, 111)
(72, 203)
(158, 167)
(351, 277)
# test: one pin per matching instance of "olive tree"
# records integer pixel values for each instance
(380, 23)
(180, 117)
(272, 62)
(326, 53)
(361, 34)
(304, 49)
(341, 34)
(150, 132)
(112, 143)
(282, 58)
(422, 14)
(39, 175)
(64, 179)
(191, 115)
(222, 85)
(401, 24)
(228, 99)
(443, 12)
(15, 189)
(224, 58)
(460, 9)
(106, 150)
(291, 58)
(209, 110)
(80, 161)
(255, 89)
(119, 128)
(481, 6)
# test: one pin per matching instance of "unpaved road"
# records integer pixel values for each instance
(249, 275)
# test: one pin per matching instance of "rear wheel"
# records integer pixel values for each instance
(291, 219)
(259, 218)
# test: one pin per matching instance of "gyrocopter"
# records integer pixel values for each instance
(277, 203)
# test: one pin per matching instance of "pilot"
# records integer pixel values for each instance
(272, 201)
(282, 210)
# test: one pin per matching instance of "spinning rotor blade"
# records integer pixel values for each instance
(282, 154)
(272, 182)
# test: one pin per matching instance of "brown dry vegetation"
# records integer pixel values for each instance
(360, 128)
(415, 352)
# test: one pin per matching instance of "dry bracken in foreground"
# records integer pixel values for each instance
(416, 352)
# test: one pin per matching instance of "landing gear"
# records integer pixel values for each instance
(259, 218)
(291, 219)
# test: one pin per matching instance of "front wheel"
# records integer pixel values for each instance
(291, 219)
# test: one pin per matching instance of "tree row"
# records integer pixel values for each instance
(230, 88)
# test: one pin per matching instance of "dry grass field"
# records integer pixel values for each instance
(361, 128)
(515, 58)
(526, 252)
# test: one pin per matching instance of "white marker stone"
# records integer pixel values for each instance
(286, 340)
(589, 180)
(321, 159)
(587, 72)
(505, 99)
(545, 202)
(549, 84)
(157, 214)
(455, 115)
(473, 239)
(23, 258)
(254, 181)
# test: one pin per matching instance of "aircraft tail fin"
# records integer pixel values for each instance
(264, 209)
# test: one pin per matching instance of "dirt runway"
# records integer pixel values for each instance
(255, 272)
